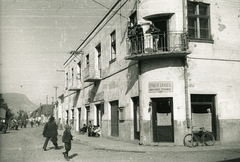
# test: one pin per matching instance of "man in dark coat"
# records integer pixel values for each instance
(50, 132)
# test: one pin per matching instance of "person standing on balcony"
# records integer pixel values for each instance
(154, 34)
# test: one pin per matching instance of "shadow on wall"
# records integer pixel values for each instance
(93, 91)
(132, 75)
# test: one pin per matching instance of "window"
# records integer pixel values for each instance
(198, 20)
(113, 45)
(98, 49)
(87, 60)
(79, 71)
(72, 76)
(66, 85)
(204, 111)
(133, 19)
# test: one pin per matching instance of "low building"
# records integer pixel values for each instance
(150, 70)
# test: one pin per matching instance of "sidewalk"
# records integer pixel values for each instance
(102, 143)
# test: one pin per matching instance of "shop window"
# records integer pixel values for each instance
(199, 21)
(203, 111)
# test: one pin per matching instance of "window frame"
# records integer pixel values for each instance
(195, 16)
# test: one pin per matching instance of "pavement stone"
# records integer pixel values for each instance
(102, 143)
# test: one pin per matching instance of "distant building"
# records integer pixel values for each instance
(151, 69)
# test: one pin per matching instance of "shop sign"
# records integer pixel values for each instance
(156, 87)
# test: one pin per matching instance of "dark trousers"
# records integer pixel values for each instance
(53, 139)
(68, 146)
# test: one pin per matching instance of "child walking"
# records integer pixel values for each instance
(66, 139)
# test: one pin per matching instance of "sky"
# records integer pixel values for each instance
(36, 39)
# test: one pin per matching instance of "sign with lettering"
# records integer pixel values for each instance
(156, 87)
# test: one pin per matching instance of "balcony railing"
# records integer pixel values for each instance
(92, 74)
(75, 84)
(167, 44)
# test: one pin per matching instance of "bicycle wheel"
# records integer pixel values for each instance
(208, 139)
(190, 141)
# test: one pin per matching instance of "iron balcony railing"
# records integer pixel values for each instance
(162, 42)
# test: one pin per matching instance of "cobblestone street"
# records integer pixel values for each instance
(25, 145)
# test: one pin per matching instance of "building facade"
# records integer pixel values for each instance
(150, 70)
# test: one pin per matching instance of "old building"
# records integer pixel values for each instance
(151, 69)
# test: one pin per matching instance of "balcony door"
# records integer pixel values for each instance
(163, 35)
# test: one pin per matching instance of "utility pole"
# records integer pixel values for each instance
(56, 108)
(47, 99)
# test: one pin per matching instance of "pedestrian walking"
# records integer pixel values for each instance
(50, 132)
(66, 139)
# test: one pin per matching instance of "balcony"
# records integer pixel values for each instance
(75, 84)
(92, 74)
(157, 45)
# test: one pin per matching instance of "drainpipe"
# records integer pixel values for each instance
(187, 95)
(140, 88)
(140, 102)
(184, 15)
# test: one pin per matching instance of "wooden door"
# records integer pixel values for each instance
(162, 120)
(114, 119)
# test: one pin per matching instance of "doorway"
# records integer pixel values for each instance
(136, 121)
(88, 114)
(162, 120)
(99, 114)
(114, 119)
(163, 34)
(79, 119)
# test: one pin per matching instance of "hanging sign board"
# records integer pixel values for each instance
(156, 87)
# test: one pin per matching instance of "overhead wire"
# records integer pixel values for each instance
(109, 8)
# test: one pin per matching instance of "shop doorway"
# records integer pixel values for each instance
(204, 112)
(162, 120)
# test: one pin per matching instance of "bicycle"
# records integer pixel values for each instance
(205, 137)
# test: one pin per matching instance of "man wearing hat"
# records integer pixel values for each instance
(50, 132)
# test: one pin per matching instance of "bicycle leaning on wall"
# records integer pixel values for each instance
(195, 137)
